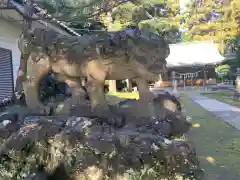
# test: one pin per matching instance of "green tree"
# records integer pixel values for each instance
(235, 61)
(155, 15)
(77, 10)
(223, 71)
(212, 20)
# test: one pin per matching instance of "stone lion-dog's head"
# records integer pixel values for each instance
(149, 51)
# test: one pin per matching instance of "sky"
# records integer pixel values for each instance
(183, 4)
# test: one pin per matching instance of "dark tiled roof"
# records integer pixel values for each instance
(18, 5)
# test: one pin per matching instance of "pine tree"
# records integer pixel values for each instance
(77, 10)
(156, 16)
(160, 16)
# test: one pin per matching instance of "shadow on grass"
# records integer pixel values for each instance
(217, 143)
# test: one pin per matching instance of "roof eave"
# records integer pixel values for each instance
(187, 54)
(22, 11)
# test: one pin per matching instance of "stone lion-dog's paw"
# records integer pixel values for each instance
(42, 109)
(147, 97)
(116, 120)
(107, 116)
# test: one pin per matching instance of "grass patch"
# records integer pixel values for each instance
(125, 95)
(226, 97)
(115, 98)
(217, 143)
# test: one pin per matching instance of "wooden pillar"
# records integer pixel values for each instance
(160, 78)
(191, 80)
(129, 85)
(112, 86)
(184, 81)
(205, 79)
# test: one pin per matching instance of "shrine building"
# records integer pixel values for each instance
(192, 63)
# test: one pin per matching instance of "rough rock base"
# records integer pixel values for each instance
(81, 148)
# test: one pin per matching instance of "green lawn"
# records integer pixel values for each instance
(125, 95)
(226, 97)
(114, 98)
(217, 143)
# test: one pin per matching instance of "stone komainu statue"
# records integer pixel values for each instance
(130, 53)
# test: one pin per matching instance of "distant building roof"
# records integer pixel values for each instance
(194, 53)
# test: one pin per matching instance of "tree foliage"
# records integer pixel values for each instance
(223, 71)
(235, 60)
(160, 16)
(212, 20)
(77, 10)
(225, 68)
(155, 15)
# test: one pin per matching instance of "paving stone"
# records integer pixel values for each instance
(228, 113)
